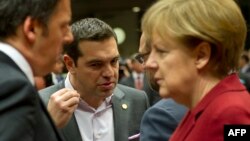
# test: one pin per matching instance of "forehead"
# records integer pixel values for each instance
(102, 50)
(158, 39)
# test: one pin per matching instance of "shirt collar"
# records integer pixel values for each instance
(19, 59)
(135, 75)
(67, 82)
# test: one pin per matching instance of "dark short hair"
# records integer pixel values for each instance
(14, 12)
(88, 29)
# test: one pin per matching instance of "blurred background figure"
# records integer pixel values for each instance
(56, 75)
(138, 80)
(244, 66)
(244, 70)
(124, 70)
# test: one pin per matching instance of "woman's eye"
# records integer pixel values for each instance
(161, 52)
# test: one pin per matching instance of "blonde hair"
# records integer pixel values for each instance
(218, 22)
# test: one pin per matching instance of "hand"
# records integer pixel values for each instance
(61, 106)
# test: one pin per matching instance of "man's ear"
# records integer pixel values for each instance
(202, 54)
(69, 63)
(29, 29)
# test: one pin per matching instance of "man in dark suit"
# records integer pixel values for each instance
(106, 111)
(31, 34)
(160, 120)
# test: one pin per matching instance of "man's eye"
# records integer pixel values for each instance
(114, 62)
(142, 57)
(95, 65)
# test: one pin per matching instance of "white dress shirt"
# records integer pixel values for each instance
(136, 76)
(18, 58)
(94, 124)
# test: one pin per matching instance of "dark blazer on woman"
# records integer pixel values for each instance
(160, 120)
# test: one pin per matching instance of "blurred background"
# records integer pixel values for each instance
(124, 16)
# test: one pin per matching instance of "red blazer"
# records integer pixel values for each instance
(227, 103)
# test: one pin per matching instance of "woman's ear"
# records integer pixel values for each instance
(69, 63)
(202, 54)
(29, 29)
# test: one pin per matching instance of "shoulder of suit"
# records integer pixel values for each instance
(47, 92)
(49, 89)
(124, 87)
(127, 89)
(168, 103)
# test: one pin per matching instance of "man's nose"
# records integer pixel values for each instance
(108, 71)
(68, 37)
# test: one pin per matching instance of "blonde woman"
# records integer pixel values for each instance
(196, 45)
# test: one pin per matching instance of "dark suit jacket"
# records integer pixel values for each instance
(153, 96)
(126, 121)
(160, 120)
(23, 116)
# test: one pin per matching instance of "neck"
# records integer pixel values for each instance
(203, 86)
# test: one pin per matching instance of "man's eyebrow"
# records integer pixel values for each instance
(94, 61)
(99, 60)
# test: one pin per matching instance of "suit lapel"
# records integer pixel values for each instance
(71, 131)
(132, 81)
(120, 106)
